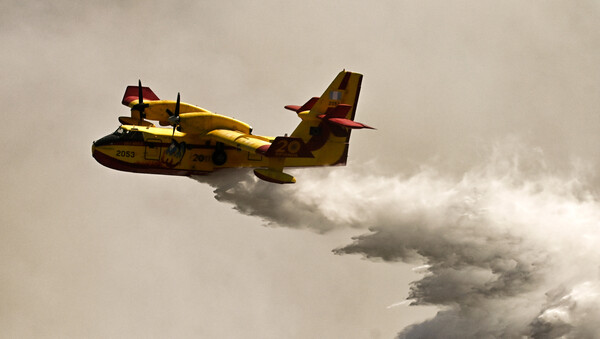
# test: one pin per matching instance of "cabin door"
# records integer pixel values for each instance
(152, 149)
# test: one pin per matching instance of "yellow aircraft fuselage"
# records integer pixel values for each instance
(155, 150)
(201, 142)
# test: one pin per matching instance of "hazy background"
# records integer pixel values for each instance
(90, 252)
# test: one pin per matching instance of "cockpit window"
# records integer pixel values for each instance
(124, 134)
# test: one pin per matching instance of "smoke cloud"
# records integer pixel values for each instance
(510, 248)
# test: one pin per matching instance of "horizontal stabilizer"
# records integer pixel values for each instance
(132, 94)
(306, 107)
(348, 123)
(274, 176)
(337, 116)
(240, 140)
(294, 108)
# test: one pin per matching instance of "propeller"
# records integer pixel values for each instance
(140, 106)
(174, 118)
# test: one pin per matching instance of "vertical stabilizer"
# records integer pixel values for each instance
(325, 128)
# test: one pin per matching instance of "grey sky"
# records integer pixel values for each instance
(89, 252)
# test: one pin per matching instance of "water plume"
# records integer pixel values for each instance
(508, 249)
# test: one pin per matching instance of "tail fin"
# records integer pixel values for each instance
(344, 89)
(325, 128)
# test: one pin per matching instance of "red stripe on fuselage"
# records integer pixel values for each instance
(113, 163)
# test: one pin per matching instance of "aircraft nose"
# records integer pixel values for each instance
(94, 149)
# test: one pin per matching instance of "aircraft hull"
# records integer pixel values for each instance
(155, 151)
(119, 165)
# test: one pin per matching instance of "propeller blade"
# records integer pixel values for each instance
(140, 93)
(140, 106)
(174, 117)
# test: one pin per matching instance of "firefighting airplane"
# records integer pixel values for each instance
(201, 142)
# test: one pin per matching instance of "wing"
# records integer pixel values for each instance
(143, 99)
(275, 149)
(251, 143)
(157, 110)
(280, 147)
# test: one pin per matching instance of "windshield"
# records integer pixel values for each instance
(124, 134)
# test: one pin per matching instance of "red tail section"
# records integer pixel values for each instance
(306, 107)
(337, 115)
